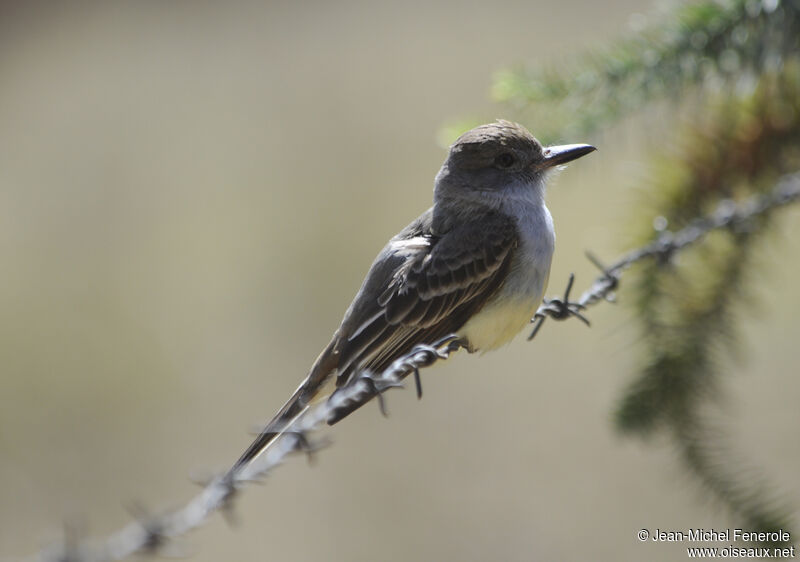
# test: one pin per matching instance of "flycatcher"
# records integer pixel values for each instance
(476, 264)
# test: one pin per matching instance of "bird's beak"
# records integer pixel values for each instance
(556, 155)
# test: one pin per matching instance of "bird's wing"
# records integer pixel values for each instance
(440, 282)
(422, 287)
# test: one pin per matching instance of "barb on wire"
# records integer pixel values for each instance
(728, 214)
(151, 533)
(558, 309)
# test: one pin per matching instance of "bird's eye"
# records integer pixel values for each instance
(504, 160)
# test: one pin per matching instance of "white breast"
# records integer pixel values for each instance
(511, 309)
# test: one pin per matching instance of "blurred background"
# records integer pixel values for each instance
(190, 195)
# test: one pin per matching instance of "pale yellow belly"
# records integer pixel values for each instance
(497, 323)
(510, 310)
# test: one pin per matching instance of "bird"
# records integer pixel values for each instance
(475, 264)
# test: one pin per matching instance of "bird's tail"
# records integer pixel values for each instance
(322, 371)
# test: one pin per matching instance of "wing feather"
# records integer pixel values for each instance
(436, 285)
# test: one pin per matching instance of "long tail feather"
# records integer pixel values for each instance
(323, 369)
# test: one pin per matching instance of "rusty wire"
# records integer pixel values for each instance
(152, 533)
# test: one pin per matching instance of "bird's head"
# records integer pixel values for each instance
(499, 160)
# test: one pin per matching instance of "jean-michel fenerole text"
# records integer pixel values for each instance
(720, 535)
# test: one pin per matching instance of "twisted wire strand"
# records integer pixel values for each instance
(152, 533)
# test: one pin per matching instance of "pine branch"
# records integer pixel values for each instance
(724, 45)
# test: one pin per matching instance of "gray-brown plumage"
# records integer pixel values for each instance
(486, 244)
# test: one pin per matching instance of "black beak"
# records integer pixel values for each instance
(556, 155)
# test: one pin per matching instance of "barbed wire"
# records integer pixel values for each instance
(153, 533)
(727, 214)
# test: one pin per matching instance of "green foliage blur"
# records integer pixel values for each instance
(729, 72)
